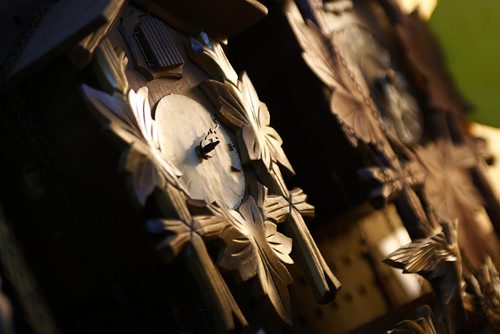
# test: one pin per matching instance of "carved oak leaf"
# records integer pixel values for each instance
(350, 101)
(187, 234)
(392, 180)
(254, 247)
(278, 209)
(131, 120)
(210, 56)
(447, 185)
(240, 108)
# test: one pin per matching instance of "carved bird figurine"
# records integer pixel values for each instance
(437, 259)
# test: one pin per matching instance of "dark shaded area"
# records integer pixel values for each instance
(69, 208)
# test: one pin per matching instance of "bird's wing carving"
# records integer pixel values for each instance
(426, 256)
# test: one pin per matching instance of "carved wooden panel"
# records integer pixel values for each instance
(222, 19)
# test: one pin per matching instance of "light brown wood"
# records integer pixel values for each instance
(355, 110)
(183, 123)
(110, 65)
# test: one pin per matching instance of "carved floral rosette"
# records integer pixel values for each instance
(252, 245)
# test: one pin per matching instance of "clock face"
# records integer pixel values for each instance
(388, 86)
(201, 149)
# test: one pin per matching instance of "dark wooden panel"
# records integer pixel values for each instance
(63, 25)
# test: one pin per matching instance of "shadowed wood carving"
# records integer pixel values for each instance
(484, 289)
(358, 115)
(350, 101)
(427, 62)
(441, 169)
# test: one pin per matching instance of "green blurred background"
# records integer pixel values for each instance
(469, 31)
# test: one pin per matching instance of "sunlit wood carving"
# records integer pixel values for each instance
(207, 186)
(438, 259)
(253, 246)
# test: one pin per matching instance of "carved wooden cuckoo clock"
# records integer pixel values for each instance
(395, 103)
(198, 138)
(381, 107)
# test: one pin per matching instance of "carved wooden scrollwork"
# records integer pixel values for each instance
(358, 115)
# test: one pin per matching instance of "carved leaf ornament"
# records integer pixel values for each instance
(130, 119)
(241, 109)
(350, 101)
